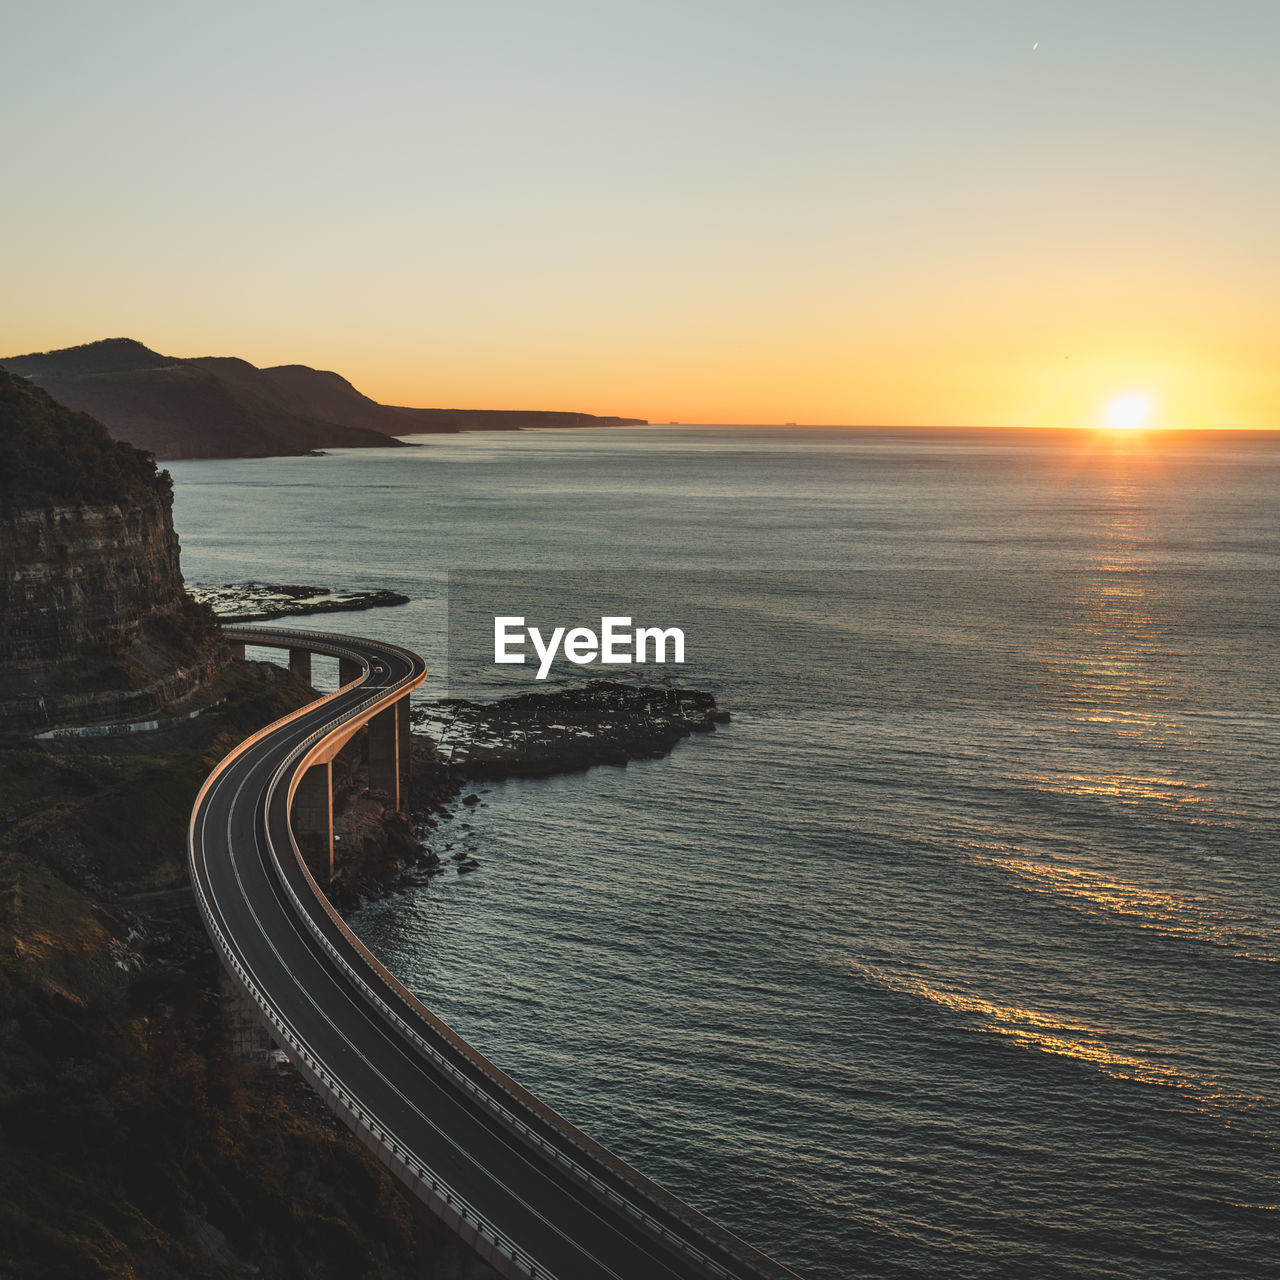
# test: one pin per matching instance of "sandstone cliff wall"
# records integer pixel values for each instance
(80, 580)
(94, 622)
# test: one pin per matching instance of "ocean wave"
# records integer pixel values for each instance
(1058, 1036)
(1096, 892)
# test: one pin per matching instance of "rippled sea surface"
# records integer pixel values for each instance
(955, 954)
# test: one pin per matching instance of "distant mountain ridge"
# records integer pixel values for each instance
(225, 407)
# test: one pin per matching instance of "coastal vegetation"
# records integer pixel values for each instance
(49, 453)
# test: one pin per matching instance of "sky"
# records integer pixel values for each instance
(925, 212)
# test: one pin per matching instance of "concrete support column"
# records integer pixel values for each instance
(237, 648)
(348, 670)
(300, 664)
(403, 744)
(313, 819)
(384, 752)
(246, 1037)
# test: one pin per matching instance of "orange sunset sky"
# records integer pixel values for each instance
(823, 211)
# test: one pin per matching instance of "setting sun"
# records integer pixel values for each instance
(1128, 413)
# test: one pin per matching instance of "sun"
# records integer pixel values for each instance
(1128, 413)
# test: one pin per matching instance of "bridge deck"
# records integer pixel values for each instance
(534, 1196)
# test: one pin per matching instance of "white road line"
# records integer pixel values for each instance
(393, 1042)
(381, 1018)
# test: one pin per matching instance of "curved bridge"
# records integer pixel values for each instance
(532, 1195)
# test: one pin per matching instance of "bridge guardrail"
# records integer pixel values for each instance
(455, 1206)
(292, 768)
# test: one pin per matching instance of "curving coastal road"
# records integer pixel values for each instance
(535, 1197)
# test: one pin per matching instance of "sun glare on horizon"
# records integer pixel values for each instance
(1128, 412)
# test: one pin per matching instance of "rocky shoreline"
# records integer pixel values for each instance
(265, 601)
(379, 851)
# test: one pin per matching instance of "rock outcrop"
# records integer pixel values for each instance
(260, 601)
(94, 621)
(533, 735)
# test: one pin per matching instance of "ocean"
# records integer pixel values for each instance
(955, 953)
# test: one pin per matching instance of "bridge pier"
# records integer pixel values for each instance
(389, 752)
(405, 745)
(237, 648)
(313, 818)
(343, 982)
(300, 664)
(242, 1025)
(348, 670)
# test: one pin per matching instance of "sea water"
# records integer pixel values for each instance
(955, 953)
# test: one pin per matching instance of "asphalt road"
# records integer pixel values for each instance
(543, 1199)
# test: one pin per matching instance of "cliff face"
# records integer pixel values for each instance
(81, 580)
(131, 1140)
(94, 621)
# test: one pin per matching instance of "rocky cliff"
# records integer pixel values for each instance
(94, 621)
(82, 579)
(140, 1134)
